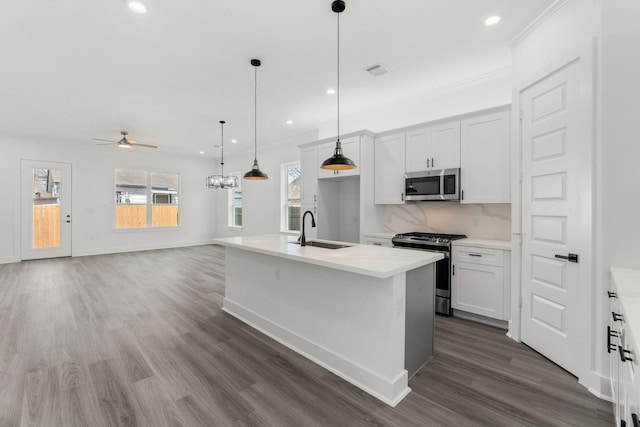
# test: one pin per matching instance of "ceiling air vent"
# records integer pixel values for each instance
(376, 70)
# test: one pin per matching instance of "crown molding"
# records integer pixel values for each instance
(537, 22)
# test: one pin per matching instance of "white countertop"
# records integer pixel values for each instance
(627, 282)
(484, 243)
(375, 261)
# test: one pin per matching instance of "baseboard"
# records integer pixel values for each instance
(9, 260)
(390, 391)
(502, 324)
(598, 385)
(137, 248)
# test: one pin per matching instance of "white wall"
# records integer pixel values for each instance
(487, 221)
(487, 92)
(572, 26)
(93, 209)
(261, 200)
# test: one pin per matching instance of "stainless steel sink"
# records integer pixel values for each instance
(325, 245)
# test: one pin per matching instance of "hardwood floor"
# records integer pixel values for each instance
(139, 339)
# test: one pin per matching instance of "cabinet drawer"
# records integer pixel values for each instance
(378, 241)
(475, 255)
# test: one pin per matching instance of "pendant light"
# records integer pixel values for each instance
(221, 181)
(255, 173)
(338, 161)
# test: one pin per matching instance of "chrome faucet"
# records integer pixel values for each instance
(303, 239)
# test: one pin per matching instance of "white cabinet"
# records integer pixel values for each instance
(350, 148)
(389, 154)
(480, 282)
(433, 147)
(485, 158)
(309, 167)
(622, 347)
(378, 241)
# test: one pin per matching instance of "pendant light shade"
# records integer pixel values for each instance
(338, 161)
(222, 181)
(255, 173)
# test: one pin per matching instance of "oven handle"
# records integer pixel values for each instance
(445, 253)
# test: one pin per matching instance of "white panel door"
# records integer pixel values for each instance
(46, 209)
(445, 146)
(556, 215)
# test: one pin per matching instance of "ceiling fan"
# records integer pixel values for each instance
(125, 142)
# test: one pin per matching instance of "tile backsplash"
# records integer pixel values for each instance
(488, 221)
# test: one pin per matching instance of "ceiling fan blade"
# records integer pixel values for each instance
(144, 145)
(108, 143)
(99, 139)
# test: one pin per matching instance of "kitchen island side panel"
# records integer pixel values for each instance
(351, 324)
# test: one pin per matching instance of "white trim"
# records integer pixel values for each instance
(518, 37)
(137, 248)
(9, 260)
(145, 229)
(390, 391)
(284, 186)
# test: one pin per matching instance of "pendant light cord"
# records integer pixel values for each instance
(222, 148)
(338, 73)
(255, 115)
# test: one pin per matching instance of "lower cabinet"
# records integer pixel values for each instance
(480, 281)
(625, 369)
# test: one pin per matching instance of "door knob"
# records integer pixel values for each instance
(570, 257)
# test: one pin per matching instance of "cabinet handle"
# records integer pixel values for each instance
(462, 194)
(636, 422)
(433, 163)
(611, 333)
(402, 196)
(476, 255)
(453, 269)
(377, 244)
(623, 354)
(427, 162)
(315, 198)
(612, 294)
(617, 317)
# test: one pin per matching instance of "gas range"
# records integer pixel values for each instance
(426, 240)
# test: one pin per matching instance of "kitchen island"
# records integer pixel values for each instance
(363, 312)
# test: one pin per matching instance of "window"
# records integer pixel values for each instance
(235, 203)
(291, 181)
(138, 204)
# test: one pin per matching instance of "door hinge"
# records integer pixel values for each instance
(521, 115)
(520, 302)
(521, 176)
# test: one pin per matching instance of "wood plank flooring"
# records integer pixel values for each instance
(139, 339)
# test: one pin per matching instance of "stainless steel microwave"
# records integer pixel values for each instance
(437, 184)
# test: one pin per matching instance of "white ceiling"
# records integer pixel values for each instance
(77, 69)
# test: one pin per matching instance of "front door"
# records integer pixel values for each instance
(557, 144)
(46, 209)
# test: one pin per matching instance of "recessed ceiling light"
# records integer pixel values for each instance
(202, 152)
(137, 6)
(331, 91)
(289, 122)
(493, 20)
(234, 141)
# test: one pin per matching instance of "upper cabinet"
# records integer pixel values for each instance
(350, 148)
(309, 167)
(485, 158)
(389, 155)
(433, 147)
